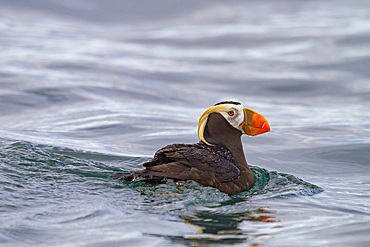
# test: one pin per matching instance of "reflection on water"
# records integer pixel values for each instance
(215, 226)
(220, 227)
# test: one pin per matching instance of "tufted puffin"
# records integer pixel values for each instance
(217, 160)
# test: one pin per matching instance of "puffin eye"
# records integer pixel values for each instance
(231, 113)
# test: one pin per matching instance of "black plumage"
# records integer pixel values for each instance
(188, 162)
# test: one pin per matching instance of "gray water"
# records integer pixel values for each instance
(92, 88)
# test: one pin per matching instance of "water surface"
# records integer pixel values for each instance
(90, 89)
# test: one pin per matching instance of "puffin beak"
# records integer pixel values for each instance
(254, 123)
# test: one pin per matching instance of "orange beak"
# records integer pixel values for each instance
(254, 123)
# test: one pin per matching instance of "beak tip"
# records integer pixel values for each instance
(266, 126)
(260, 125)
(260, 121)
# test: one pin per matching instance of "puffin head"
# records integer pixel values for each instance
(240, 118)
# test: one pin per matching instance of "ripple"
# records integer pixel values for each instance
(268, 184)
(274, 184)
(110, 89)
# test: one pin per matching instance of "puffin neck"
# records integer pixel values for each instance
(219, 132)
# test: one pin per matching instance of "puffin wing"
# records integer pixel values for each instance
(204, 164)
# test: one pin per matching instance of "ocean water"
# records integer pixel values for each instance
(92, 88)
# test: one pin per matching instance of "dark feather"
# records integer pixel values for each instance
(207, 165)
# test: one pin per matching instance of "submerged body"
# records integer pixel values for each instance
(208, 165)
(217, 160)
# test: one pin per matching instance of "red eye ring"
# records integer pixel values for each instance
(231, 113)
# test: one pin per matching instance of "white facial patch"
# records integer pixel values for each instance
(234, 114)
